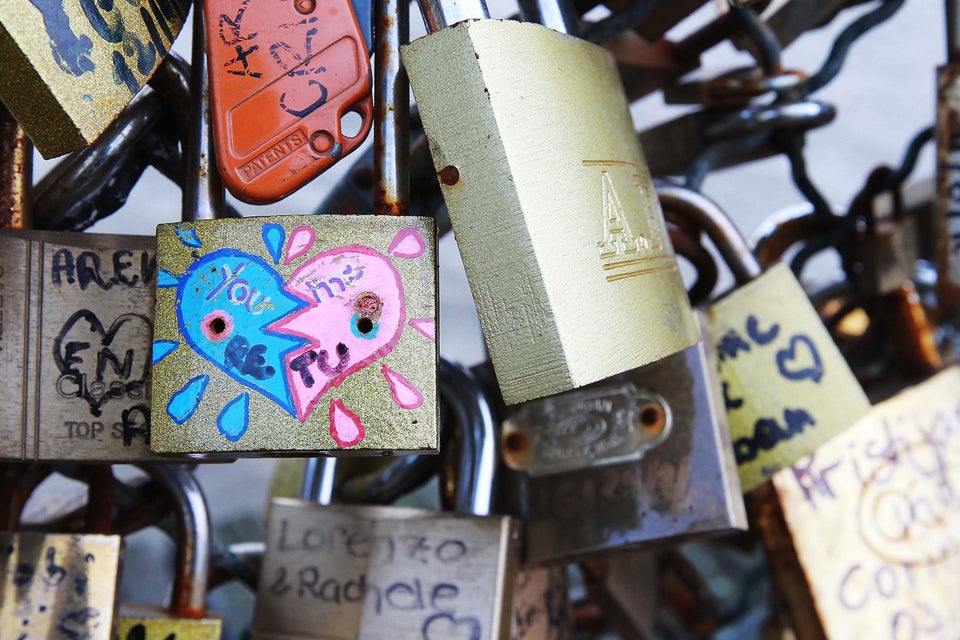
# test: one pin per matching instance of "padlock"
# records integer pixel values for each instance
(541, 607)
(552, 217)
(284, 76)
(62, 585)
(640, 458)
(786, 387)
(295, 334)
(862, 533)
(947, 212)
(79, 353)
(352, 571)
(186, 617)
(71, 67)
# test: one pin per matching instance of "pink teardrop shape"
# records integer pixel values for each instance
(345, 426)
(426, 326)
(408, 243)
(300, 242)
(404, 393)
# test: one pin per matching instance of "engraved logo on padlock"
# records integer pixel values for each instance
(296, 333)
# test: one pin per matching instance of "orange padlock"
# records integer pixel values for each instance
(290, 83)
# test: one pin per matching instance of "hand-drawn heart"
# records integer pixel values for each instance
(788, 359)
(226, 302)
(355, 314)
(102, 364)
(444, 626)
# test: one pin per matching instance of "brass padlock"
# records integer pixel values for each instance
(61, 585)
(79, 354)
(71, 67)
(556, 221)
(186, 617)
(786, 387)
(640, 458)
(351, 571)
(862, 532)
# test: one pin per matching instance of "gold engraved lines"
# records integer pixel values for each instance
(630, 243)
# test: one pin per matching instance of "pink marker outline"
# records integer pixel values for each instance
(402, 236)
(390, 373)
(426, 326)
(296, 253)
(337, 405)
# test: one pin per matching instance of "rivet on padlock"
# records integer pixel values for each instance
(557, 223)
(286, 79)
(70, 68)
(786, 387)
(63, 585)
(186, 616)
(295, 334)
(385, 572)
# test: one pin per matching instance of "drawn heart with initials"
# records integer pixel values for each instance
(444, 626)
(800, 360)
(103, 363)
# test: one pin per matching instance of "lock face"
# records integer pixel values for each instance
(71, 67)
(684, 485)
(348, 572)
(282, 75)
(557, 223)
(295, 334)
(786, 387)
(58, 585)
(870, 521)
(78, 318)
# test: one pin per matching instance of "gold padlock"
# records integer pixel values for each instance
(61, 585)
(551, 201)
(785, 385)
(862, 533)
(71, 67)
(186, 617)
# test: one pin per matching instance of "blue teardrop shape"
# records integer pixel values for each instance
(163, 348)
(188, 236)
(273, 237)
(166, 279)
(234, 419)
(185, 402)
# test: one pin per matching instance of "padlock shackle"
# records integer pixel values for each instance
(16, 174)
(193, 538)
(403, 475)
(438, 14)
(473, 413)
(391, 110)
(203, 194)
(558, 15)
(319, 480)
(704, 214)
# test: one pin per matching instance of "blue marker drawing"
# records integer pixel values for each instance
(273, 237)
(787, 358)
(163, 348)
(184, 403)
(187, 235)
(225, 302)
(235, 418)
(166, 279)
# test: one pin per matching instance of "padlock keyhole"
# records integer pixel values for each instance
(364, 325)
(217, 326)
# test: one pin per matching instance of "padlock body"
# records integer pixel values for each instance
(76, 344)
(551, 202)
(71, 67)
(686, 484)
(296, 334)
(350, 572)
(281, 79)
(787, 388)
(58, 585)
(541, 604)
(947, 210)
(149, 622)
(868, 522)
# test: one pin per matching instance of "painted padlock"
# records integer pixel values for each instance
(861, 534)
(296, 334)
(556, 220)
(640, 458)
(286, 78)
(69, 68)
(786, 387)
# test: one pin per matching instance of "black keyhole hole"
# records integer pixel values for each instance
(364, 325)
(217, 326)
